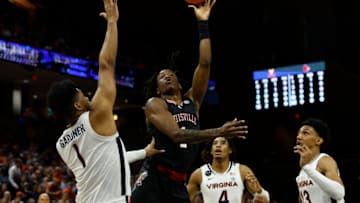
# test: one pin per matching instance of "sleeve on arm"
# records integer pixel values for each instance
(333, 188)
(135, 155)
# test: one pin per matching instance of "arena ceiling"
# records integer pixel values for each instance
(259, 33)
(245, 37)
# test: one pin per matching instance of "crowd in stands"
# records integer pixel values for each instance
(27, 173)
(29, 163)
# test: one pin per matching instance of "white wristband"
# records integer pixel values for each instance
(135, 155)
(264, 193)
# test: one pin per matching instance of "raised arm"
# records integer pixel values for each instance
(101, 116)
(202, 72)
(157, 113)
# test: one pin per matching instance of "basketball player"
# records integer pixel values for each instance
(222, 179)
(319, 179)
(91, 146)
(173, 119)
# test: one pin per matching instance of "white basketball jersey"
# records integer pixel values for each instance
(309, 191)
(99, 163)
(224, 187)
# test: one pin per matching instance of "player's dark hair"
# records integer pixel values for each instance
(61, 97)
(321, 128)
(150, 85)
(206, 152)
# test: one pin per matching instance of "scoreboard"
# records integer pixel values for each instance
(289, 86)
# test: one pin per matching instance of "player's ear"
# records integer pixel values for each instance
(77, 106)
(319, 140)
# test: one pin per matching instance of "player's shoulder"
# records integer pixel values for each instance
(197, 171)
(244, 168)
(151, 99)
(242, 165)
(326, 162)
(325, 159)
(196, 174)
(154, 102)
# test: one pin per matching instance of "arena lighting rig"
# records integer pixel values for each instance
(54, 61)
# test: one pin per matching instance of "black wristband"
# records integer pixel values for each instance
(203, 26)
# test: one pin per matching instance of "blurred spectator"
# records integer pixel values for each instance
(53, 188)
(6, 198)
(44, 198)
(69, 193)
(31, 200)
(18, 197)
(28, 191)
(4, 188)
(14, 176)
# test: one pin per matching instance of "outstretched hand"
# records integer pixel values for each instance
(202, 11)
(151, 150)
(234, 128)
(111, 13)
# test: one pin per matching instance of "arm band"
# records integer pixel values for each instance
(135, 155)
(203, 26)
(263, 192)
(334, 189)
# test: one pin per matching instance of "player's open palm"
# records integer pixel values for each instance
(234, 128)
(202, 11)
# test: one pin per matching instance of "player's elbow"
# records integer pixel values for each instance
(106, 63)
(103, 62)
